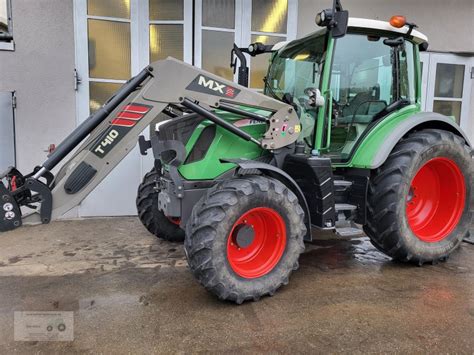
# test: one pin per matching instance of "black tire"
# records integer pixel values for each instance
(215, 216)
(152, 218)
(388, 224)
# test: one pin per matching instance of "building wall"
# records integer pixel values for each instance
(449, 24)
(40, 70)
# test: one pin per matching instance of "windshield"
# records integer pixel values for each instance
(296, 67)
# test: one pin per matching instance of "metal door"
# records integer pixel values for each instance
(7, 131)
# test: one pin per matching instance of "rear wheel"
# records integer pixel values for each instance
(244, 238)
(419, 199)
(153, 219)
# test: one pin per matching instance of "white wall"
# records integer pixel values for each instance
(40, 70)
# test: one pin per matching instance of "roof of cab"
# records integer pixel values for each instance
(355, 22)
(385, 26)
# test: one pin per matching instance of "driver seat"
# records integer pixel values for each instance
(362, 107)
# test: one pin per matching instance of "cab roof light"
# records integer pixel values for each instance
(398, 21)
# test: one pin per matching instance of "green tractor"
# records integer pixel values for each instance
(336, 141)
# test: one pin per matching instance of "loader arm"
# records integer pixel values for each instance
(108, 135)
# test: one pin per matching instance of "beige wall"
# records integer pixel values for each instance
(449, 24)
(40, 70)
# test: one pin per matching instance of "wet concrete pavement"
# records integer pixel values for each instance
(131, 293)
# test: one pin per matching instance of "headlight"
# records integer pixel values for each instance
(324, 18)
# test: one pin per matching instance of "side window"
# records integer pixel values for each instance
(407, 71)
(6, 28)
(367, 76)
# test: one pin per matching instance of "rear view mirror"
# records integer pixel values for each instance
(335, 19)
(341, 19)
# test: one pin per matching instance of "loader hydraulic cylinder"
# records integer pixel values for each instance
(218, 121)
(84, 129)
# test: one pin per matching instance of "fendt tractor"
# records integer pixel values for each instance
(337, 140)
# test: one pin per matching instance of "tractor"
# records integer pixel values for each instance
(336, 142)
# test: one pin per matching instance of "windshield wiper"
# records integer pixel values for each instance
(270, 89)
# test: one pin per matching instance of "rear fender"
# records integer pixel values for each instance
(381, 142)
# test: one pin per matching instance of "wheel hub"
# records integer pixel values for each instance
(436, 200)
(244, 235)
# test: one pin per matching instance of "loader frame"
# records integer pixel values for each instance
(111, 133)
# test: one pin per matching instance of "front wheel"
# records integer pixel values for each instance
(419, 199)
(244, 238)
(152, 218)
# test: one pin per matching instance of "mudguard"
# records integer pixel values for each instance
(280, 175)
(379, 143)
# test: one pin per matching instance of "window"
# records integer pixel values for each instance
(296, 68)
(268, 26)
(221, 23)
(367, 76)
(109, 42)
(218, 34)
(166, 29)
(448, 91)
(6, 30)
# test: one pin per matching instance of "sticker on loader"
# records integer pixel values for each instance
(123, 122)
(206, 85)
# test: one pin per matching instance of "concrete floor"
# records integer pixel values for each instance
(132, 293)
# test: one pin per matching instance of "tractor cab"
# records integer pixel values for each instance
(342, 86)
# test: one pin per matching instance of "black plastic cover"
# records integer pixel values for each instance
(79, 178)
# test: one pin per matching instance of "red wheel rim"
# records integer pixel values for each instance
(436, 200)
(266, 248)
(174, 220)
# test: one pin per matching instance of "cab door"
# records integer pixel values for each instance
(367, 75)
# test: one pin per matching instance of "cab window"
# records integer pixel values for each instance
(367, 76)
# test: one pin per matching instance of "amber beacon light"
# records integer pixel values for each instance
(398, 21)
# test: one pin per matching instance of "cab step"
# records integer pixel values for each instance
(349, 232)
(345, 207)
(342, 185)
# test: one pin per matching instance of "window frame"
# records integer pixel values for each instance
(8, 44)
(242, 30)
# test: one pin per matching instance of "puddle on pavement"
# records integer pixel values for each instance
(341, 253)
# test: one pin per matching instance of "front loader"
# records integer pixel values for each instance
(336, 142)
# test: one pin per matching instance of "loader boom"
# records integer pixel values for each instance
(112, 132)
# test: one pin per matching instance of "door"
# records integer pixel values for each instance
(449, 87)
(7, 131)
(114, 41)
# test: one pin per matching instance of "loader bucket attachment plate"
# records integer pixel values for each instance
(10, 215)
